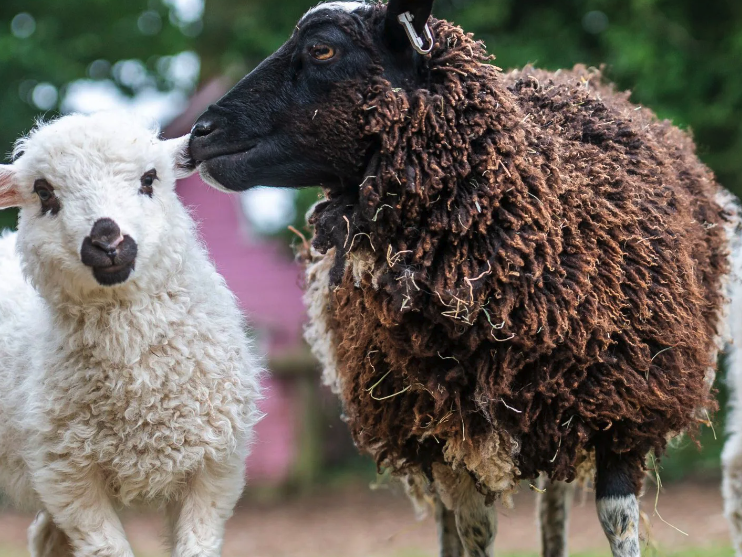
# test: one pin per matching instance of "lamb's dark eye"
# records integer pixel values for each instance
(322, 52)
(49, 201)
(148, 178)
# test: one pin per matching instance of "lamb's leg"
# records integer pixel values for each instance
(553, 514)
(45, 539)
(448, 536)
(199, 519)
(618, 508)
(78, 503)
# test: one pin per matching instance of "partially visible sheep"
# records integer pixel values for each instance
(732, 454)
(513, 274)
(128, 378)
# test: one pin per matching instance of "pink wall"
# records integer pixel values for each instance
(266, 282)
(258, 271)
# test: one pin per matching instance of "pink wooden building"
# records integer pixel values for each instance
(266, 280)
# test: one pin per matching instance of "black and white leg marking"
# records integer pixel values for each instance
(618, 508)
(553, 512)
(448, 536)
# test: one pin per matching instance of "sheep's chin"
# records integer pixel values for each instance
(112, 276)
(203, 171)
(232, 171)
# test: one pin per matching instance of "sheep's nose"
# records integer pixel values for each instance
(106, 236)
(203, 127)
(202, 137)
(110, 254)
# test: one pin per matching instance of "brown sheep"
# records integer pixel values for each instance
(512, 274)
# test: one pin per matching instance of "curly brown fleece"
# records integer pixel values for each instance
(534, 256)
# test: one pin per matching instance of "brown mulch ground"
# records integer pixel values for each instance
(358, 522)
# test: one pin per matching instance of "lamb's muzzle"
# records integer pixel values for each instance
(108, 253)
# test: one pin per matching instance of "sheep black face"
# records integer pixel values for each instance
(97, 197)
(297, 119)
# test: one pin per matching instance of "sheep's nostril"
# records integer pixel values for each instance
(101, 256)
(106, 235)
(109, 248)
(203, 127)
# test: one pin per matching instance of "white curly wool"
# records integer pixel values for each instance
(317, 332)
(140, 393)
(732, 455)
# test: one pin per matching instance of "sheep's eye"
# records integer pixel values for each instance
(148, 178)
(322, 52)
(45, 192)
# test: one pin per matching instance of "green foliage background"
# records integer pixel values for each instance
(683, 58)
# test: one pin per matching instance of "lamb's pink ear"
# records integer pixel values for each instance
(183, 163)
(9, 194)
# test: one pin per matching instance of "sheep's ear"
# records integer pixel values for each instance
(183, 163)
(410, 32)
(9, 194)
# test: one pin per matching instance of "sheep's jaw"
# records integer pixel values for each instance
(113, 275)
(220, 171)
(267, 162)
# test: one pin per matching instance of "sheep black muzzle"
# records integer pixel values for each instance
(298, 119)
(108, 253)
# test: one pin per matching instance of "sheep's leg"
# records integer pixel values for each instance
(45, 539)
(732, 486)
(448, 535)
(618, 508)
(476, 523)
(553, 514)
(200, 518)
(79, 506)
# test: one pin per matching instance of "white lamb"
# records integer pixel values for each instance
(127, 375)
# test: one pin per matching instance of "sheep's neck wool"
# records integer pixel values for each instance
(531, 265)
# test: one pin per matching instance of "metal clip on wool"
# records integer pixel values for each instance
(418, 44)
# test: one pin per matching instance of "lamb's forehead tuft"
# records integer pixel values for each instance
(346, 7)
(108, 131)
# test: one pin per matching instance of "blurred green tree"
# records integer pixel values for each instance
(682, 58)
(46, 45)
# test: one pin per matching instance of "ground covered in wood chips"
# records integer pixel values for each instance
(358, 522)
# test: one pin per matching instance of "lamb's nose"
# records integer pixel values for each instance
(203, 127)
(106, 235)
